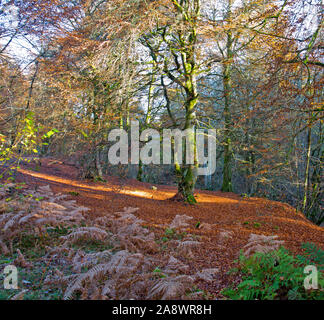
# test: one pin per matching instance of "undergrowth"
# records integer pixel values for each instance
(61, 252)
(278, 275)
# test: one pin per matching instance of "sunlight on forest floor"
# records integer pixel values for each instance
(78, 184)
(149, 194)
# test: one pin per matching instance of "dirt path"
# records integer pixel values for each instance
(228, 213)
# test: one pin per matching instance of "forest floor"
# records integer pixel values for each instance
(222, 222)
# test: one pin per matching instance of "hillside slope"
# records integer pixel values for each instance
(222, 222)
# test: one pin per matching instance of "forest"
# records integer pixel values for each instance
(161, 150)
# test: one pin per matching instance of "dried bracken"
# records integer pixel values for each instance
(207, 226)
(180, 222)
(117, 268)
(186, 248)
(93, 233)
(208, 275)
(36, 210)
(129, 231)
(107, 274)
(261, 244)
(171, 288)
(175, 266)
(224, 235)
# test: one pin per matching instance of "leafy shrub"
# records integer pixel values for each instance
(278, 275)
(27, 140)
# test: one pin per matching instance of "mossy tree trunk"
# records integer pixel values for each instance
(227, 85)
(187, 172)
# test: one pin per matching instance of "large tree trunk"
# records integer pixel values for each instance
(147, 122)
(306, 180)
(227, 83)
(187, 173)
(98, 164)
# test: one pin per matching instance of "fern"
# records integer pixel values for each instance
(85, 233)
(275, 275)
(171, 288)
